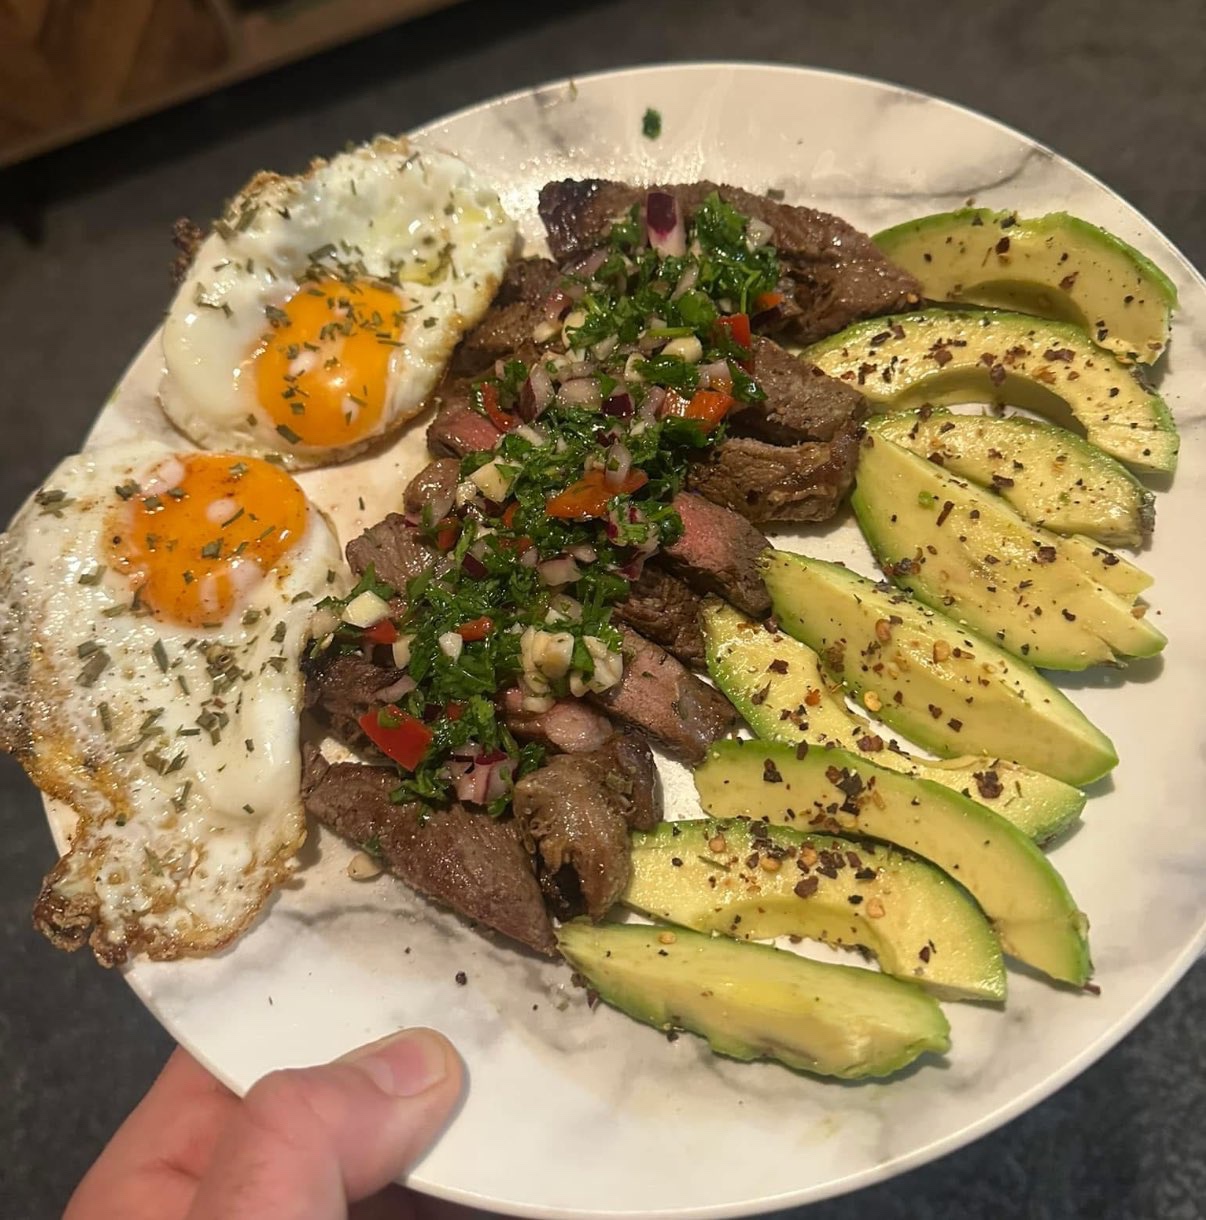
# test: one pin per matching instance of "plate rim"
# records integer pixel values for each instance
(937, 1148)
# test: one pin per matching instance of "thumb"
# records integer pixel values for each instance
(306, 1141)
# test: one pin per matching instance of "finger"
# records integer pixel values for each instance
(307, 1140)
(151, 1166)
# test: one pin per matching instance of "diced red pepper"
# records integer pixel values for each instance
(737, 328)
(508, 513)
(707, 406)
(447, 532)
(588, 497)
(397, 735)
(767, 300)
(383, 632)
(454, 711)
(498, 417)
(518, 545)
(476, 628)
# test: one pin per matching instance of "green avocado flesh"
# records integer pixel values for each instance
(757, 1002)
(1057, 266)
(927, 677)
(755, 882)
(777, 685)
(962, 550)
(834, 791)
(940, 356)
(1051, 477)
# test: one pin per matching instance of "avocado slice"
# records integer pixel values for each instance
(959, 548)
(940, 356)
(777, 685)
(1051, 476)
(757, 1002)
(752, 881)
(1057, 266)
(832, 790)
(923, 674)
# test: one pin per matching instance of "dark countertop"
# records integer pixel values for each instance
(1116, 86)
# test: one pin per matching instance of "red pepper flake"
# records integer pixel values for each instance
(871, 743)
(802, 751)
(461, 978)
(996, 374)
(1003, 246)
(1068, 281)
(807, 887)
(955, 725)
(1068, 615)
(941, 356)
(1045, 554)
(935, 710)
(924, 953)
(1063, 354)
(770, 773)
(947, 506)
(778, 666)
(988, 783)
(1001, 482)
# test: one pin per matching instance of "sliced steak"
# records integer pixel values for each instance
(471, 862)
(432, 492)
(507, 326)
(457, 428)
(672, 705)
(802, 403)
(340, 689)
(395, 550)
(833, 274)
(778, 483)
(576, 811)
(717, 553)
(569, 725)
(665, 609)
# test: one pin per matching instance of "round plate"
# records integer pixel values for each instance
(577, 1112)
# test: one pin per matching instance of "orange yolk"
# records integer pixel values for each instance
(321, 373)
(202, 533)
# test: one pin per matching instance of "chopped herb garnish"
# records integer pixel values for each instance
(651, 124)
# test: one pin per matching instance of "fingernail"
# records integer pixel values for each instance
(404, 1064)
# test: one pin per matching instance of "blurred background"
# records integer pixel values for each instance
(95, 179)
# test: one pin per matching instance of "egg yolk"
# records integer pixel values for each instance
(322, 371)
(202, 532)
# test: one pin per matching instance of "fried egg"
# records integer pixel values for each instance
(153, 608)
(322, 310)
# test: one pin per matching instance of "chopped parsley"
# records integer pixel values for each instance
(651, 124)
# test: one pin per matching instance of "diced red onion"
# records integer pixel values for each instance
(537, 392)
(530, 558)
(587, 266)
(471, 787)
(557, 305)
(470, 750)
(716, 376)
(474, 568)
(686, 281)
(664, 224)
(758, 232)
(500, 369)
(619, 406)
(651, 407)
(388, 694)
(578, 368)
(580, 392)
(584, 553)
(560, 571)
(499, 780)
(619, 463)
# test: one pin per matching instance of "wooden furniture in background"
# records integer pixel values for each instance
(72, 67)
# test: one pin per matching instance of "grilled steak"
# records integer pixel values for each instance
(717, 554)
(777, 483)
(665, 610)
(802, 403)
(340, 689)
(660, 697)
(432, 492)
(833, 274)
(517, 310)
(471, 862)
(457, 428)
(395, 550)
(570, 724)
(576, 811)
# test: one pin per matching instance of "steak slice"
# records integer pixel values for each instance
(833, 274)
(802, 402)
(665, 610)
(515, 313)
(778, 483)
(457, 428)
(471, 862)
(395, 550)
(576, 812)
(660, 697)
(718, 553)
(570, 724)
(432, 492)
(340, 689)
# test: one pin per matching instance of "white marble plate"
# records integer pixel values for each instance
(573, 1112)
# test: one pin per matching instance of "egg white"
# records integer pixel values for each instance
(181, 835)
(416, 219)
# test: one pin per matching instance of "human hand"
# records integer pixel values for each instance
(302, 1145)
